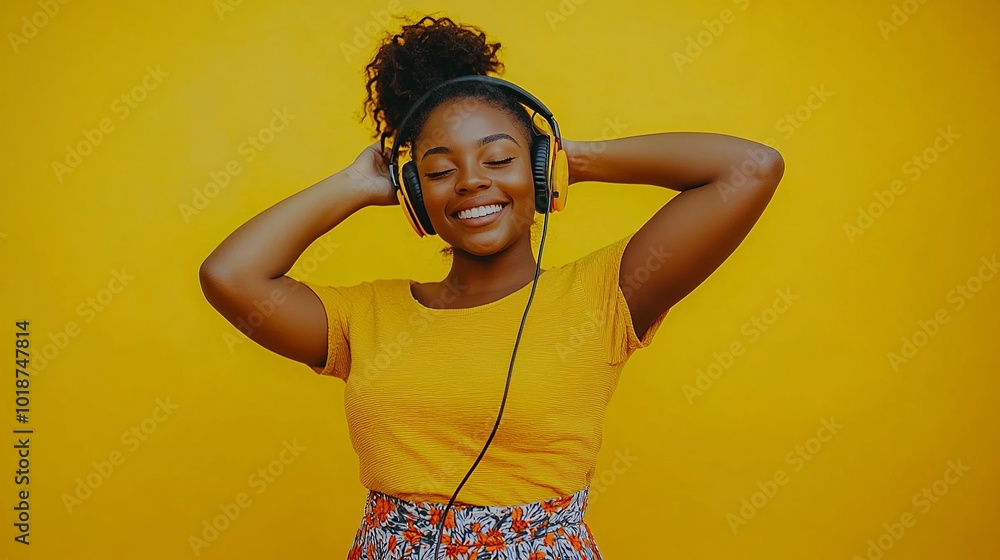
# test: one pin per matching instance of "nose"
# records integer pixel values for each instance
(472, 178)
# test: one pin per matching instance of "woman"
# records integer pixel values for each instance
(424, 362)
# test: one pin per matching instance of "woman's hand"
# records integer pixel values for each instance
(371, 171)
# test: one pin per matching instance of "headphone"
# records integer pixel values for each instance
(550, 174)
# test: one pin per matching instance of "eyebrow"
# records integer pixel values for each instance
(482, 142)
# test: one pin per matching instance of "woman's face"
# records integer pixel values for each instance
(470, 155)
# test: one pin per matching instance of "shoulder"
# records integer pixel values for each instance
(605, 258)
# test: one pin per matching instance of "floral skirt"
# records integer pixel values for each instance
(397, 529)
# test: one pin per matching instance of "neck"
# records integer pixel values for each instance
(500, 272)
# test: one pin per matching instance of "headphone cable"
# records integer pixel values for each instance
(534, 283)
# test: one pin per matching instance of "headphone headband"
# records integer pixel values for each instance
(530, 100)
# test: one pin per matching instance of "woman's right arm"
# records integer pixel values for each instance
(246, 272)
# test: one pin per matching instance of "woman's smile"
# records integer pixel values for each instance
(480, 216)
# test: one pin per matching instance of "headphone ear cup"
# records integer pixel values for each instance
(411, 182)
(540, 171)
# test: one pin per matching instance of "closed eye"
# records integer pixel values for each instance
(440, 174)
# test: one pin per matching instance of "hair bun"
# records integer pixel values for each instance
(421, 56)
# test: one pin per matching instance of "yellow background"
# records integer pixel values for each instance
(597, 62)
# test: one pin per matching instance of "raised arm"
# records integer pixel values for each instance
(247, 270)
(726, 183)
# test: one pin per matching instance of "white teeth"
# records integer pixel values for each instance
(479, 211)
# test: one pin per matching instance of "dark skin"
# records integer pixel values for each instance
(725, 184)
(491, 261)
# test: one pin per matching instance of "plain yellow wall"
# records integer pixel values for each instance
(888, 206)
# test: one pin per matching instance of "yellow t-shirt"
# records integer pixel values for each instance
(424, 385)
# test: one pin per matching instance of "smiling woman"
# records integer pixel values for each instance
(420, 405)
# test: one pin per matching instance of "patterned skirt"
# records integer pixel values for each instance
(397, 529)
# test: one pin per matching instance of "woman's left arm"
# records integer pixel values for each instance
(725, 183)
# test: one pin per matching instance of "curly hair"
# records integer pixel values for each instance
(423, 55)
